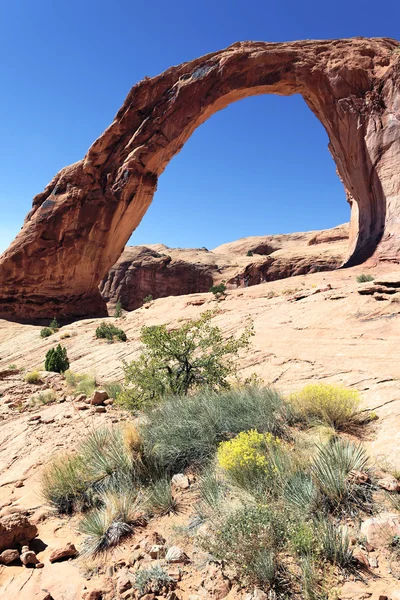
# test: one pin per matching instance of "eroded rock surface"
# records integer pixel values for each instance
(79, 225)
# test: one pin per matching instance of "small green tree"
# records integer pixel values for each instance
(147, 299)
(57, 360)
(218, 290)
(249, 253)
(54, 325)
(175, 361)
(118, 310)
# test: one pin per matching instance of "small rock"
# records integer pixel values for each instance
(256, 594)
(48, 421)
(68, 551)
(9, 556)
(382, 597)
(354, 590)
(82, 406)
(180, 481)
(109, 401)
(127, 595)
(389, 483)
(124, 582)
(92, 595)
(176, 555)
(34, 418)
(98, 397)
(28, 558)
(373, 562)
(39, 565)
(100, 409)
(148, 597)
(175, 573)
(19, 484)
(80, 398)
(157, 551)
(380, 530)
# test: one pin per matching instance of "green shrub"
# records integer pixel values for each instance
(54, 325)
(249, 253)
(310, 585)
(218, 290)
(152, 580)
(331, 405)
(46, 332)
(331, 470)
(160, 500)
(13, 367)
(302, 538)
(364, 278)
(80, 383)
(148, 299)
(249, 539)
(335, 543)
(118, 310)
(177, 361)
(301, 492)
(63, 483)
(186, 430)
(113, 388)
(110, 332)
(46, 397)
(57, 360)
(32, 377)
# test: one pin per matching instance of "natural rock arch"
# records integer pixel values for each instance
(80, 224)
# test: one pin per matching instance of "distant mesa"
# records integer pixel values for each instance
(79, 225)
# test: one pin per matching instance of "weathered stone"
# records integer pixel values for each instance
(92, 595)
(28, 558)
(92, 206)
(98, 397)
(256, 594)
(67, 551)
(157, 551)
(99, 409)
(389, 483)
(39, 565)
(124, 581)
(9, 556)
(180, 481)
(354, 590)
(15, 529)
(176, 555)
(380, 530)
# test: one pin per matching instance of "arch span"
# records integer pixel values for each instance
(79, 225)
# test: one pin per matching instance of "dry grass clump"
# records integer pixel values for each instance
(80, 383)
(32, 377)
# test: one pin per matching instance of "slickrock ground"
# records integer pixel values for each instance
(316, 327)
(160, 271)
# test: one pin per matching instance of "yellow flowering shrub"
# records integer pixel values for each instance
(250, 454)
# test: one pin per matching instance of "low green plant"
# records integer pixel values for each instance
(331, 405)
(147, 299)
(364, 278)
(249, 253)
(250, 539)
(63, 483)
(302, 538)
(32, 377)
(118, 310)
(113, 388)
(160, 500)
(152, 580)
(218, 290)
(54, 325)
(57, 360)
(13, 367)
(311, 587)
(80, 383)
(301, 492)
(176, 361)
(109, 332)
(46, 397)
(186, 430)
(46, 332)
(335, 543)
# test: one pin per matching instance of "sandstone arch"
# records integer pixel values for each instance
(80, 224)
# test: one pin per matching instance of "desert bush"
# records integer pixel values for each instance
(249, 253)
(212, 489)
(32, 377)
(160, 500)
(301, 492)
(311, 587)
(250, 539)
(109, 332)
(218, 290)
(104, 527)
(186, 430)
(335, 543)
(364, 278)
(54, 325)
(46, 332)
(57, 360)
(63, 483)
(80, 383)
(118, 310)
(13, 367)
(147, 299)
(177, 361)
(254, 461)
(113, 388)
(331, 470)
(46, 397)
(302, 538)
(331, 405)
(152, 580)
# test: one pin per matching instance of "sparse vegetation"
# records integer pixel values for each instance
(46, 332)
(113, 388)
(152, 580)
(118, 310)
(147, 299)
(218, 290)
(13, 367)
(46, 397)
(110, 332)
(364, 278)
(331, 405)
(176, 361)
(80, 383)
(57, 360)
(249, 253)
(54, 325)
(32, 377)
(160, 500)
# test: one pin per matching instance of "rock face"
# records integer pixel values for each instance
(160, 271)
(15, 529)
(79, 225)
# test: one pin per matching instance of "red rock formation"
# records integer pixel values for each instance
(80, 224)
(160, 271)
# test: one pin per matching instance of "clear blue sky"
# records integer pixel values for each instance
(260, 166)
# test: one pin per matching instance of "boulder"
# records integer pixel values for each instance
(28, 557)
(9, 556)
(15, 529)
(67, 551)
(98, 397)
